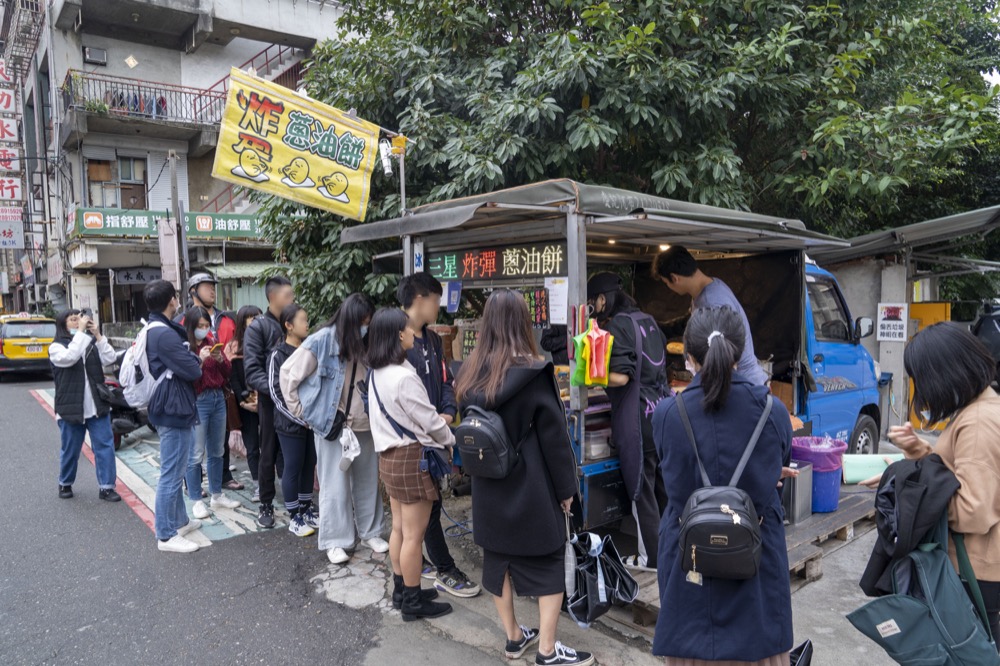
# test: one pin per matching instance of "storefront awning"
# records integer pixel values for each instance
(614, 214)
(938, 236)
(240, 269)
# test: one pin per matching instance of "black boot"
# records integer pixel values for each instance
(397, 592)
(416, 607)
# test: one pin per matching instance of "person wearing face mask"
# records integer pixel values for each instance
(637, 381)
(173, 411)
(210, 433)
(350, 504)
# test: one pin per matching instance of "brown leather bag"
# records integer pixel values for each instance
(233, 420)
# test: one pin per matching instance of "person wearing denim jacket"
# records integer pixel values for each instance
(316, 382)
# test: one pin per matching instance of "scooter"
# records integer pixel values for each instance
(125, 419)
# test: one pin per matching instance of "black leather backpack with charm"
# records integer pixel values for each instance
(720, 531)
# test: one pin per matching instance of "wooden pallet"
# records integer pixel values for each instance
(806, 543)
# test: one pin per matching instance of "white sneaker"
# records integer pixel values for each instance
(338, 556)
(378, 545)
(192, 525)
(298, 527)
(200, 511)
(177, 544)
(220, 501)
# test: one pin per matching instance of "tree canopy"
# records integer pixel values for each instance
(852, 117)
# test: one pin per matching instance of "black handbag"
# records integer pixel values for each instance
(720, 530)
(601, 579)
(802, 655)
(340, 418)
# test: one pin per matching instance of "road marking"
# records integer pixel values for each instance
(138, 469)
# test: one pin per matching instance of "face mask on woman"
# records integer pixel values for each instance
(200, 333)
(364, 330)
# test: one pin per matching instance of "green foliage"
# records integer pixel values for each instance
(841, 115)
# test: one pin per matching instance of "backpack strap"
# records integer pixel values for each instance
(747, 452)
(969, 576)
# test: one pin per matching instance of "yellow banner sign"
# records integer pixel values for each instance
(277, 141)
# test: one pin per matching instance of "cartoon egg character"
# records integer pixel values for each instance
(252, 163)
(335, 187)
(296, 173)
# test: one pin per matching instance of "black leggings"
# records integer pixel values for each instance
(300, 469)
(991, 599)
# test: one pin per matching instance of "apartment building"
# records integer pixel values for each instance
(107, 92)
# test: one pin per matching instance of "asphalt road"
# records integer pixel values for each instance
(81, 580)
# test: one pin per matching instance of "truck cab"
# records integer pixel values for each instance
(842, 400)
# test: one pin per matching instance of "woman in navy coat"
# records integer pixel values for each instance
(722, 620)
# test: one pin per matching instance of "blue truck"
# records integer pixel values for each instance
(548, 237)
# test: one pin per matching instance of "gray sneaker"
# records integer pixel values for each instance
(456, 583)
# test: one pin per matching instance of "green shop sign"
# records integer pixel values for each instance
(122, 222)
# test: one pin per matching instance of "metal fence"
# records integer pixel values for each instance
(118, 95)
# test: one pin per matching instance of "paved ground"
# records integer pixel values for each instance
(82, 582)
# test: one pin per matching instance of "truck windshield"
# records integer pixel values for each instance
(829, 317)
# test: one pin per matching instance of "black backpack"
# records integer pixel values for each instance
(483, 443)
(720, 530)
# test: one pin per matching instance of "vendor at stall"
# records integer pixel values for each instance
(637, 381)
(677, 269)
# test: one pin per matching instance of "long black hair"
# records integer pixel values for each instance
(950, 368)
(241, 324)
(348, 319)
(192, 318)
(384, 346)
(61, 330)
(714, 338)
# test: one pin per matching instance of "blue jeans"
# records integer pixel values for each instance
(209, 438)
(102, 442)
(175, 450)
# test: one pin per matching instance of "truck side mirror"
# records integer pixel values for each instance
(863, 327)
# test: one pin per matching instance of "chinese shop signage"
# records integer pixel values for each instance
(279, 142)
(139, 223)
(499, 263)
(11, 228)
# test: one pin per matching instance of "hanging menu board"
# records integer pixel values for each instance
(538, 306)
(470, 336)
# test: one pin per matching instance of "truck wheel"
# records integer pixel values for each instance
(865, 437)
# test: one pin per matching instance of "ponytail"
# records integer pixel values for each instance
(717, 372)
(714, 338)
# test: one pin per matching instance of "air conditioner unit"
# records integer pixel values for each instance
(95, 56)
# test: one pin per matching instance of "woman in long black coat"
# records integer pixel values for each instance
(520, 520)
(714, 620)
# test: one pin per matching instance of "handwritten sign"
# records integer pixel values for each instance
(499, 263)
(277, 141)
(538, 307)
(470, 338)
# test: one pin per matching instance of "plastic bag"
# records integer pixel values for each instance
(825, 453)
(236, 446)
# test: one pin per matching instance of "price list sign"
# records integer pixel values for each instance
(538, 306)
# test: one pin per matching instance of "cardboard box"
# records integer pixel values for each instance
(785, 392)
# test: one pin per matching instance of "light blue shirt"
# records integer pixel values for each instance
(718, 294)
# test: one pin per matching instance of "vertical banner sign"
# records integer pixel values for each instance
(11, 228)
(7, 100)
(892, 321)
(277, 141)
(8, 130)
(10, 160)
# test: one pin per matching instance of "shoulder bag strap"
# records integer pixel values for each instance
(690, 433)
(633, 316)
(350, 390)
(753, 441)
(400, 430)
(969, 576)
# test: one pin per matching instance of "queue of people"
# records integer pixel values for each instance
(369, 397)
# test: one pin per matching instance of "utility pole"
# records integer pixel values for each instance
(181, 249)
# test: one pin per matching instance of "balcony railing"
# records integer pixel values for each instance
(118, 95)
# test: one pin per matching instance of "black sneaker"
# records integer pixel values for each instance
(65, 492)
(564, 656)
(265, 517)
(109, 495)
(515, 649)
(456, 583)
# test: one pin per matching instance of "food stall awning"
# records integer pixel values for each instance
(614, 214)
(936, 236)
(240, 269)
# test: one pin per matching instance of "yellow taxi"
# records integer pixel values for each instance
(24, 343)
